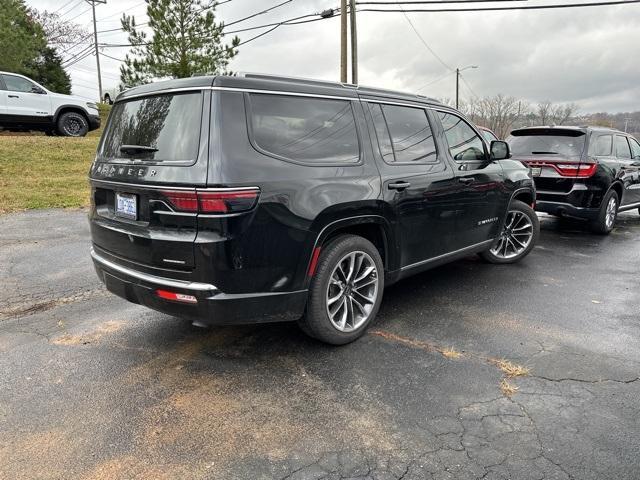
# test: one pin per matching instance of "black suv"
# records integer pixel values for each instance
(255, 198)
(583, 172)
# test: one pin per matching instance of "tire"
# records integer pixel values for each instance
(51, 133)
(607, 215)
(328, 283)
(518, 237)
(72, 124)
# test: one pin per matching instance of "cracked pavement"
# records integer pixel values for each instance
(94, 387)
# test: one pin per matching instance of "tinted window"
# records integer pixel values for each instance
(488, 136)
(622, 147)
(382, 132)
(635, 148)
(410, 133)
(464, 144)
(601, 146)
(310, 130)
(566, 144)
(18, 84)
(169, 123)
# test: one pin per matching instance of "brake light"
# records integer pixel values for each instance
(212, 201)
(582, 170)
(574, 170)
(176, 297)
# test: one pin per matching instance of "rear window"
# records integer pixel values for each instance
(165, 127)
(566, 144)
(304, 130)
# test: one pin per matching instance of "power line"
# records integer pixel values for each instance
(424, 42)
(434, 81)
(81, 13)
(259, 13)
(497, 9)
(434, 2)
(63, 6)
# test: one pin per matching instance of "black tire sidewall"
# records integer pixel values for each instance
(69, 115)
(600, 224)
(529, 212)
(316, 322)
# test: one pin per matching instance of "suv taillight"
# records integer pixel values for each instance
(573, 170)
(212, 201)
(578, 170)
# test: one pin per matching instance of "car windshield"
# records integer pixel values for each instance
(567, 144)
(159, 128)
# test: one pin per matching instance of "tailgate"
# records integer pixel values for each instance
(153, 148)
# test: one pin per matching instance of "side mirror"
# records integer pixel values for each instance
(500, 150)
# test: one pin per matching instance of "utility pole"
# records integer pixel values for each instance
(626, 124)
(354, 43)
(95, 42)
(343, 41)
(458, 70)
(457, 88)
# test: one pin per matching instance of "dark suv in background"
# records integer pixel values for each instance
(583, 172)
(253, 199)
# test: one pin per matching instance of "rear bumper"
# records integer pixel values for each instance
(213, 307)
(582, 201)
(566, 210)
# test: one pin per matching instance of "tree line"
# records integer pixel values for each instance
(503, 113)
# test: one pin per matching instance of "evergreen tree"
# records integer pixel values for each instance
(186, 40)
(47, 70)
(21, 37)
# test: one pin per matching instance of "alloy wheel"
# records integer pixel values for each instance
(612, 209)
(515, 237)
(352, 291)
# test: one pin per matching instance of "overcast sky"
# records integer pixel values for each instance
(590, 56)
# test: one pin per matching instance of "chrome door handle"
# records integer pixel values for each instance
(466, 180)
(399, 185)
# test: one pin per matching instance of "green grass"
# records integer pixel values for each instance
(37, 171)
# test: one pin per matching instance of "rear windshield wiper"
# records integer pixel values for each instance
(545, 153)
(133, 149)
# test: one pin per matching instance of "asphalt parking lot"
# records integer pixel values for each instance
(93, 387)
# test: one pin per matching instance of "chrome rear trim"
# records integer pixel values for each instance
(160, 281)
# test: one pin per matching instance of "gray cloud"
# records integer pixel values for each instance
(588, 56)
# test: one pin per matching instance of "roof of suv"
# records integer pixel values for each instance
(255, 81)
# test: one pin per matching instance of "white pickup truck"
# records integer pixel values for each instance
(26, 105)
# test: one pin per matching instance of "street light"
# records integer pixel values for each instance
(458, 70)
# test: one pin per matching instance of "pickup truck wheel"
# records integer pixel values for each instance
(606, 219)
(519, 235)
(72, 124)
(345, 292)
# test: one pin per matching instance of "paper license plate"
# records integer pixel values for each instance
(535, 171)
(126, 205)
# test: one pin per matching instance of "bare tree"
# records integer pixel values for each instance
(562, 113)
(545, 111)
(498, 113)
(58, 32)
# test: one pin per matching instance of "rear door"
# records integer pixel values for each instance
(149, 162)
(418, 184)
(481, 199)
(629, 168)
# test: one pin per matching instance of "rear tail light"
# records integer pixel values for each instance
(573, 170)
(580, 170)
(212, 201)
(176, 297)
